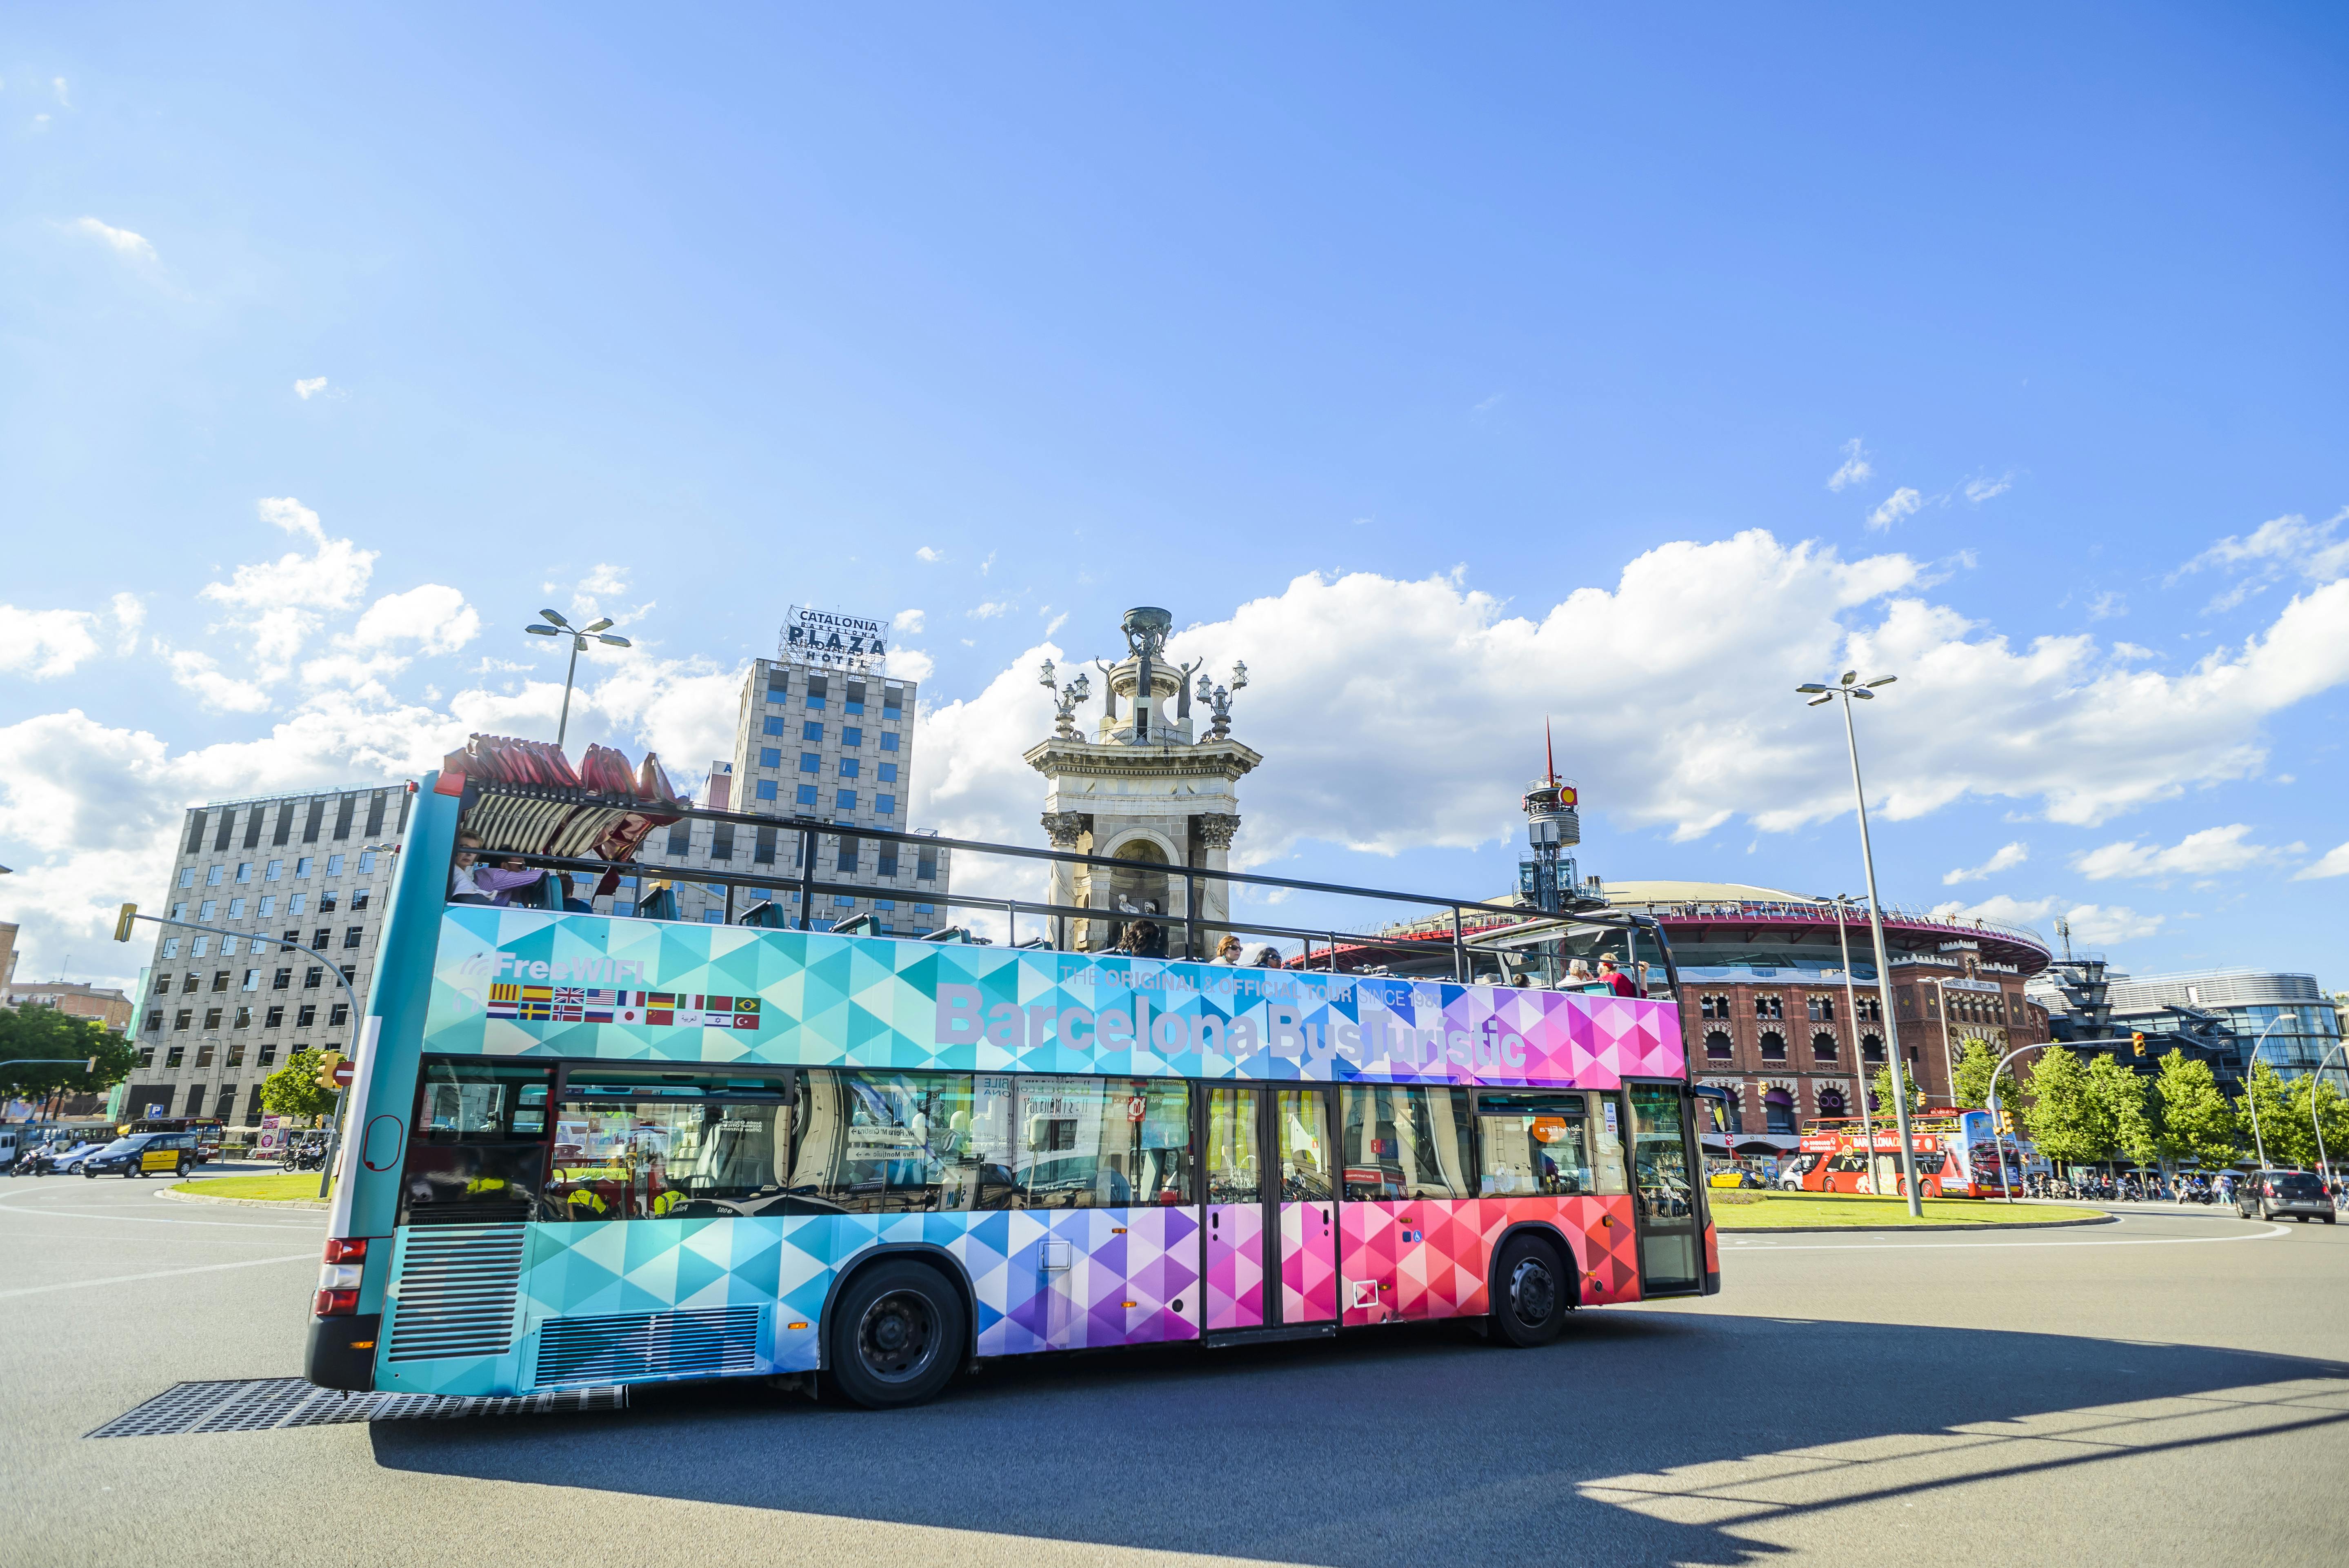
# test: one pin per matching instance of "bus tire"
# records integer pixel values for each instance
(1531, 1292)
(898, 1333)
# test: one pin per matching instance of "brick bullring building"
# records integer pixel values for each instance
(1768, 1019)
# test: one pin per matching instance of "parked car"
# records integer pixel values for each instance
(2276, 1194)
(144, 1154)
(68, 1160)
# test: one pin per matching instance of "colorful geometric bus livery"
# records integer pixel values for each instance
(1058, 1280)
(813, 998)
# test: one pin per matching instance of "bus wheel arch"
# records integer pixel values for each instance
(886, 1265)
(1536, 1280)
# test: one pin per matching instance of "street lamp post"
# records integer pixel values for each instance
(2315, 1082)
(555, 625)
(2252, 1090)
(1851, 691)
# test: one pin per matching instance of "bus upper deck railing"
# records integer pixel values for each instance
(807, 885)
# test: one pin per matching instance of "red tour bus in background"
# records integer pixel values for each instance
(1958, 1156)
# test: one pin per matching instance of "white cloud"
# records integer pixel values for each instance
(2274, 552)
(40, 123)
(2093, 924)
(332, 577)
(2108, 604)
(604, 578)
(2334, 864)
(129, 613)
(907, 621)
(122, 242)
(2132, 651)
(2006, 859)
(990, 610)
(1056, 623)
(1489, 404)
(2206, 853)
(927, 553)
(1684, 710)
(309, 388)
(434, 616)
(57, 85)
(1900, 504)
(1979, 490)
(43, 644)
(1855, 467)
(911, 664)
(987, 565)
(201, 674)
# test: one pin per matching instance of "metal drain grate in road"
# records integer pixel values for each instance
(266, 1404)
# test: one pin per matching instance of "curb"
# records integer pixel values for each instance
(175, 1195)
(1726, 1231)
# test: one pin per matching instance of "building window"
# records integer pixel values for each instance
(1831, 1102)
(893, 701)
(212, 875)
(208, 909)
(806, 796)
(884, 860)
(762, 848)
(146, 1055)
(273, 870)
(1822, 1009)
(811, 730)
(359, 900)
(925, 866)
(847, 854)
(236, 909)
(773, 726)
(273, 1019)
(266, 907)
(236, 1053)
(176, 1056)
(268, 1058)
(888, 773)
(352, 934)
(1871, 1047)
(1716, 1046)
(777, 685)
(681, 838)
(338, 1015)
(768, 788)
(721, 841)
(884, 805)
(219, 979)
(851, 735)
(313, 977)
(204, 1055)
(245, 872)
(1774, 1046)
(855, 703)
(888, 741)
(305, 866)
(1769, 1008)
(844, 801)
(817, 688)
(183, 1018)
(171, 947)
(187, 876)
(771, 757)
(1823, 1046)
(163, 985)
(1778, 1111)
(154, 1020)
(1712, 1007)
(848, 768)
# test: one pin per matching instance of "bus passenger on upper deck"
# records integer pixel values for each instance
(1617, 981)
(472, 883)
(1227, 951)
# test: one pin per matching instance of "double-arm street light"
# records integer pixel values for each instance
(555, 625)
(1852, 689)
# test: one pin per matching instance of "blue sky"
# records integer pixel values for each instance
(693, 319)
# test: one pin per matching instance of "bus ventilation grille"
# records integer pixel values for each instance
(456, 1290)
(712, 1343)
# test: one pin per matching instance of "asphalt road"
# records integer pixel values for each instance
(2173, 1388)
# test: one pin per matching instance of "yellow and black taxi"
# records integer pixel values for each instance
(144, 1154)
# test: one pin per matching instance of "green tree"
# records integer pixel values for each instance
(2288, 1140)
(1879, 1089)
(2123, 1098)
(2193, 1123)
(294, 1089)
(2331, 1107)
(44, 1031)
(1970, 1081)
(2068, 1119)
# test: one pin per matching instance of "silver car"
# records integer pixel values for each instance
(2275, 1195)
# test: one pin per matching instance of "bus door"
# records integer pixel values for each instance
(1270, 1232)
(1671, 1251)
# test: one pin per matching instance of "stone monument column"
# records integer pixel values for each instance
(1145, 787)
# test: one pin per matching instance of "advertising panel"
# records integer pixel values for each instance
(521, 982)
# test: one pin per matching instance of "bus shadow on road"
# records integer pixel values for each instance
(1638, 1437)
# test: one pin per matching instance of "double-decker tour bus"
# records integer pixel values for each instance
(587, 1150)
(1957, 1155)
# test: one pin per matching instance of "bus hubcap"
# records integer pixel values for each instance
(1533, 1294)
(896, 1338)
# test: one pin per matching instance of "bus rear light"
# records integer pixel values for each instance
(336, 1303)
(339, 1276)
(345, 1250)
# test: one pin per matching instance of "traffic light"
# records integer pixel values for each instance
(2136, 1041)
(123, 919)
(328, 1063)
(91, 1067)
(2005, 1121)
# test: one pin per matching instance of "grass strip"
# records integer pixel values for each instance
(285, 1187)
(1748, 1211)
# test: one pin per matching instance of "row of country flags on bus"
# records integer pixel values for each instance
(661, 1009)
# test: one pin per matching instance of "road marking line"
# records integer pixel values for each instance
(2269, 1234)
(157, 1273)
(286, 1224)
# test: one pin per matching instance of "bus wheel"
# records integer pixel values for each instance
(897, 1333)
(1532, 1292)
